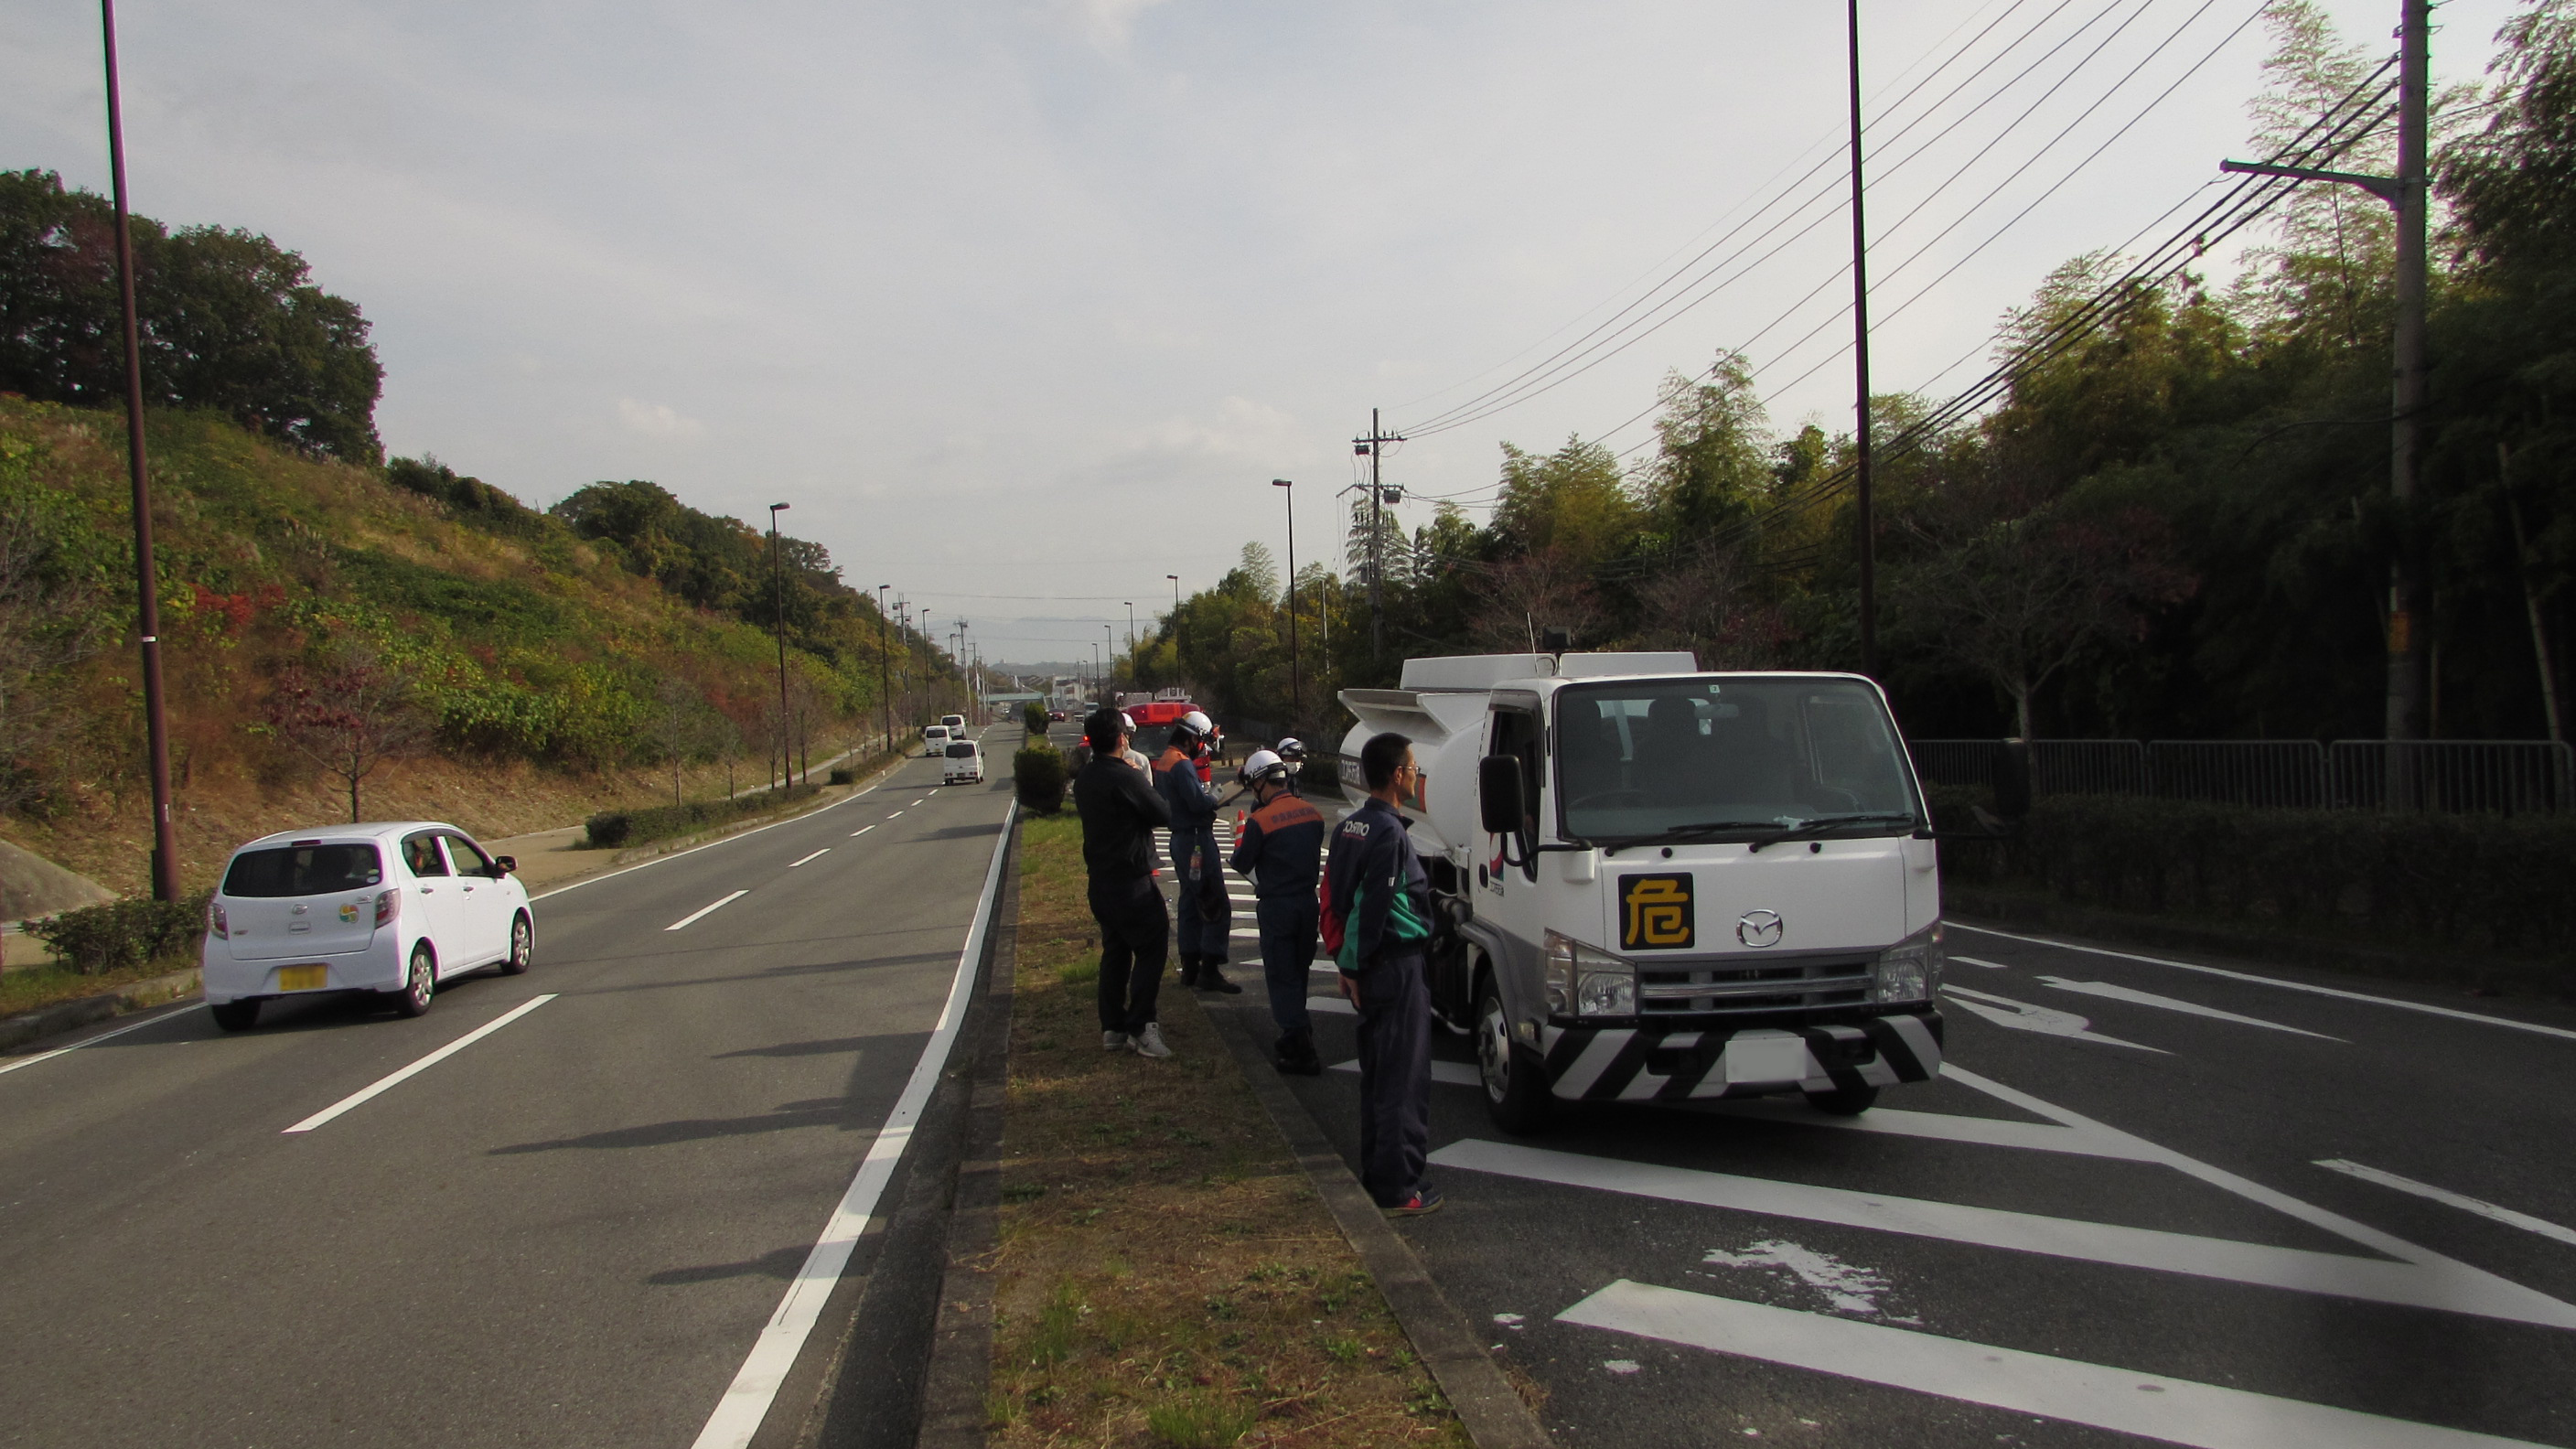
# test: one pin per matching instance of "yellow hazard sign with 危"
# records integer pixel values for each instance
(1655, 913)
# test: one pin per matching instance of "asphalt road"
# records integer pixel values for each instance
(2149, 1203)
(571, 1231)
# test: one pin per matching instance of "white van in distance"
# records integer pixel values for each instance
(934, 740)
(964, 764)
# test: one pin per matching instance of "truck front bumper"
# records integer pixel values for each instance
(1675, 1063)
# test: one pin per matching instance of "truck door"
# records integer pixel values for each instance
(1507, 895)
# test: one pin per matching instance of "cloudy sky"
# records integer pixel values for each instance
(1023, 303)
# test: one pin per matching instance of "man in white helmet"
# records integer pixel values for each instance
(1204, 914)
(1281, 848)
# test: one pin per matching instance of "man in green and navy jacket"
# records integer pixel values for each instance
(1375, 885)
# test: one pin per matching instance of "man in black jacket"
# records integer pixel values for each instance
(1377, 886)
(1120, 812)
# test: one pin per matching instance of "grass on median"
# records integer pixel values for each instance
(1166, 1274)
(33, 988)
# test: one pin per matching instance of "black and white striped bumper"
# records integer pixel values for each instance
(1671, 1064)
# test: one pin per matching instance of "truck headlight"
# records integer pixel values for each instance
(1910, 970)
(1583, 981)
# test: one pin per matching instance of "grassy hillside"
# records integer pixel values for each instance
(549, 674)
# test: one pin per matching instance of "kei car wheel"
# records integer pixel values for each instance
(235, 1015)
(1515, 1078)
(420, 982)
(523, 946)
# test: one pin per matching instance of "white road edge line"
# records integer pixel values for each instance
(2425, 1007)
(8, 1067)
(2448, 1198)
(746, 1401)
(862, 830)
(2169, 1411)
(396, 1078)
(693, 917)
(817, 855)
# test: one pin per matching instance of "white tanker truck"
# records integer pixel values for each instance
(1658, 884)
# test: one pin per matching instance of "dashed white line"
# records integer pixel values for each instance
(2448, 1198)
(693, 917)
(817, 855)
(898, 814)
(2425, 1007)
(2171, 1411)
(862, 830)
(390, 1080)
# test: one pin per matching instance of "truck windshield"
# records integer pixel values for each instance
(1742, 756)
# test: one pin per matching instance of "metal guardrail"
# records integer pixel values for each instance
(2457, 776)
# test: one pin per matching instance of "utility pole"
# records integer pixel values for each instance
(1373, 447)
(1868, 520)
(778, 617)
(1131, 645)
(1296, 688)
(1176, 626)
(147, 586)
(885, 667)
(2406, 192)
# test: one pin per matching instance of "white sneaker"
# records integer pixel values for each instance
(1116, 1041)
(1149, 1042)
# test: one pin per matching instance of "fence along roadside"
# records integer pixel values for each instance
(2456, 776)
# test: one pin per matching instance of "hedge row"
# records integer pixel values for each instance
(1038, 774)
(2449, 882)
(120, 934)
(612, 828)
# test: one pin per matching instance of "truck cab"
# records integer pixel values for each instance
(1657, 883)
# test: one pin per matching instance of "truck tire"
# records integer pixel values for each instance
(1844, 1101)
(1515, 1078)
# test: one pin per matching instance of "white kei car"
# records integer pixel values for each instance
(934, 741)
(390, 907)
(963, 765)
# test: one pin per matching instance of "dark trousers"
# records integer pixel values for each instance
(1206, 913)
(1133, 934)
(1287, 956)
(1395, 1075)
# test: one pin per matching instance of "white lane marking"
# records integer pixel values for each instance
(862, 830)
(2109, 992)
(1331, 1005)
(1973, 961)
(2451, 1287)
(1455, 1074)
(2046, 1020)
(2426, 1008)
(693, 917)
(8, 1067)
(2448, 1198)
(916, 802)
(396, 1078)
(826, 850)
(2171, 1411)
(1939, 1127)
(898, 814)
(746, 1400)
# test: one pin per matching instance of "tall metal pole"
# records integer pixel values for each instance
(1867, 524)
(2406, 644)
(885, 666)
(1296, 684)
(147, 586)
(778, 618)
(1176, 627)
(1377, 535)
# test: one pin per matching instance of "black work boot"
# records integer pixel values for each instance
(1297, 1056)
(1213, 979)
(1189, 971)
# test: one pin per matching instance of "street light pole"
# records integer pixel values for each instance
(1296, 689)
(1176, 627)
(147, 587)
(885, 666)
(1131, 644)
(1862, 503)
(778, 618)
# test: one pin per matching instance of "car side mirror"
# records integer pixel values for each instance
(505, 864)
(2012, 780)
(1498, 794)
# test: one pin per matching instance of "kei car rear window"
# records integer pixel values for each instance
(961, 751)
(303, 870)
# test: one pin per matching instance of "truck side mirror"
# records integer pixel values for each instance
(2012, 780)
(1498, 794)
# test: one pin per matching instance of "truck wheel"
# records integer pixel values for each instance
(1515, 1077)
(235, 1015)
(1844, 1101)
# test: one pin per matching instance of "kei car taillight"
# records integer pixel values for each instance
(388, 906)
(218, 922)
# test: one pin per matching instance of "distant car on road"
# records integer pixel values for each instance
(964, 764)
(956, 724)
(1055, 716)
(388, 907)
(933, 740)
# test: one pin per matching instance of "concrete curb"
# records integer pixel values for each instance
(65, 1016)
(1492, 1411)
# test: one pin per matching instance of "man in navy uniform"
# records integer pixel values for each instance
(1377, 887)
(1205, 914)
(1281, 847)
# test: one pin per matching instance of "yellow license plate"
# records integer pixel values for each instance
(303, 978)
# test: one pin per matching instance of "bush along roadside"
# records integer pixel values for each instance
(1166, 1274)
(2435, 883)
(1037, 773)
(98, 939)
(612, 829)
